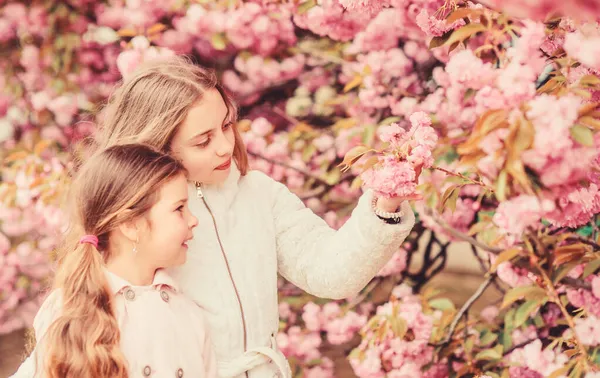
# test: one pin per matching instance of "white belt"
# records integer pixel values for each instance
(252, 358)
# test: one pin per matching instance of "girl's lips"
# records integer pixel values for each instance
(225, 165)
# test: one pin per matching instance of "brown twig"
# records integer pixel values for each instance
(587, 241)
(572, 282)
(480, 290)
(554, 297)
(364, 294)
(485, 269)
(517, 346)
(454, 232)
(475, 182)
(286, 165)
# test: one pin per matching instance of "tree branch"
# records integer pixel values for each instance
(484, 285)
(485, 269)
(458, 234)
(286, 165)
(475, 182)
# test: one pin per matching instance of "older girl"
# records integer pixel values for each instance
(252, 227)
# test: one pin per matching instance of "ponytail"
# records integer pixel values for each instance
(84, 340)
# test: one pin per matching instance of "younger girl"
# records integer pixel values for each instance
(114, 312)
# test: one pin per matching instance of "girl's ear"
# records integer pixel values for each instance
(130, 230)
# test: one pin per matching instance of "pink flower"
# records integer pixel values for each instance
(542, 361)
(341, 330)
(433, 26)
(371, 7)
(515, 215)
(468, 70)
(128, 61)
(490, 313)
(261, 127)
(588, 330)
(392, 133)
(513, 276)
(370, 367)
(393, 178)
(396, 265)
(583, 45)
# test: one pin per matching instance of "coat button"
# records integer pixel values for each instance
(129, 294)
(164, 295)
(147, 371)
(179, 373)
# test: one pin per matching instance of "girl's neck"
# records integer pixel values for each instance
(131, 269)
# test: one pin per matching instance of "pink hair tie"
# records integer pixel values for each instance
(90, 239)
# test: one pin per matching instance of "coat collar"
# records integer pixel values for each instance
(222, 194)
(161, 278)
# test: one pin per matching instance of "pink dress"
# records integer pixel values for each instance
(162, 332)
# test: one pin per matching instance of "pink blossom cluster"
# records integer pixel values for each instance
(260, 29)
(386, 354)
(540, 10)
(329, 18)
(30, 227)
(303, 343)
(409, 151)
(136, 14)
(582, 45)
(588, 330)
(256, 73)
(340, 326)
(396, 265)
(535, 361)
(388, 75)
(140, 51)
(17, 20)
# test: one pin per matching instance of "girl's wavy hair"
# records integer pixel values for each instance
(114, 186)
(151, 104)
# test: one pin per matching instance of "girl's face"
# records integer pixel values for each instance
(204, 143)
(169, 225)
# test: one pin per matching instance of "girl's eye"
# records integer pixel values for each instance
(227, 125)
(180, 208)
(203, 144)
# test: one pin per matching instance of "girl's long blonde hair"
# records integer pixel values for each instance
(154, 101)
(115, 186)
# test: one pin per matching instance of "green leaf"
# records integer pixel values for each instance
(591, 267)
(488, 337)
(399, 326)
(355, 82)
(389, 121)
(504, 256)
(501, 185)
(589, 80)
(370, 163)
(538, 321)
(463, 33)
(522, 292)
(491, 374)
(583, 135)
(560, 372)
(442, 304)
(305, 6)
(526, 309)
(492, 354)
(308, 152)
(469, 344)
(333, 176)
(562, 271)
(218, 41)
(441, 40)
(451, 203)
(369, 134)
